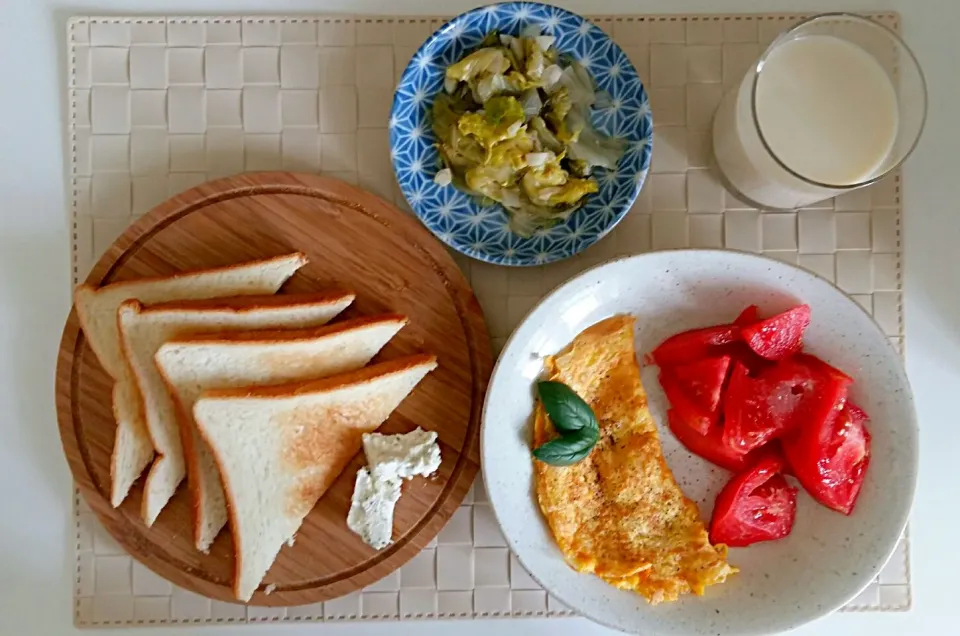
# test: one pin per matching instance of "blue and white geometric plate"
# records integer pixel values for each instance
(458, 219)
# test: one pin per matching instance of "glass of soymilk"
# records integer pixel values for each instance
(833, 104)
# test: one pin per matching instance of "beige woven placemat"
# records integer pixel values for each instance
(158, 105)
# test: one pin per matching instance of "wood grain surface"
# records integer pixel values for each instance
(354, 241)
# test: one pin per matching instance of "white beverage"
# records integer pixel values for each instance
(827, 110)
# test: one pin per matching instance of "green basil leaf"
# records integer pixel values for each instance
(566, 409)
(568, 449)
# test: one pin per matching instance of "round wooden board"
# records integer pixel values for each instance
(354, 241)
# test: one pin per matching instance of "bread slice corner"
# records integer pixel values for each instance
(132, 448)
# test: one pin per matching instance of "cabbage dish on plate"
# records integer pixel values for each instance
(513, 127)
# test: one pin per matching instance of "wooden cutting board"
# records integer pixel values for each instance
(354, 241)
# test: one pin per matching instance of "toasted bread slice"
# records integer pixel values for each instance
(144, 329)
(191, 365)
(97, 310)
(279, 449)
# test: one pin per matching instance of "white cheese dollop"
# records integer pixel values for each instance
(402, 456)
(371, 509)
(391, 459)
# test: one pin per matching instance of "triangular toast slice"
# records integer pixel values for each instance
(280, 448)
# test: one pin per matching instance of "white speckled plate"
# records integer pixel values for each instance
(828, 558)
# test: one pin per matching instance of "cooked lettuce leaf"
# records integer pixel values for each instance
(590, 146)
(513, 128)
(512, 151)
(546, 137)
(488, 60)
(534, 62)
(489, 86)
(501, 119)
(531, 103)
(551, 185)
(558, 107)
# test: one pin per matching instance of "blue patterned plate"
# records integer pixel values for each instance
(482, 232)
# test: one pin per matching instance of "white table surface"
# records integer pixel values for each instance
(36, 564)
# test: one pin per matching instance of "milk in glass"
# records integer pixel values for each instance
(828, 113)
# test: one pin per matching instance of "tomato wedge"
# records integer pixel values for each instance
(823, 368)
(699, 419)
(740, 352)
(801, 391)
(831, 459)
(748, 316)
(756, 505)
(709, 446)
(703, 380)
(778, 337)
(694, 345)
(856, 413)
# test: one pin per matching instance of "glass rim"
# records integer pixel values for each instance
(786, 36)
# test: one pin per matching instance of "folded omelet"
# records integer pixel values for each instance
(619, 512)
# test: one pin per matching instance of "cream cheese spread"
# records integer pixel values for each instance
(390, 459)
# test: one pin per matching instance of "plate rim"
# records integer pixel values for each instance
(900, 522)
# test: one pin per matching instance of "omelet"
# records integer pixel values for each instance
(619, 513)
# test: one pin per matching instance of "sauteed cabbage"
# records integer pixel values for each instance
(513, 125)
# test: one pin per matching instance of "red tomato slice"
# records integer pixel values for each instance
(709, 446)
(778, 337)
(856, 413)
(822, 367)
(703, 380)
(699, 419)
(756, 505)
(740, 352)
(831, 458)
(695, 344)
(748, 316)
(797, 392)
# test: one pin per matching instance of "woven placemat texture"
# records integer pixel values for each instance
(160, 104)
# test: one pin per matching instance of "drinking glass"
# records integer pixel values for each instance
(833, 104)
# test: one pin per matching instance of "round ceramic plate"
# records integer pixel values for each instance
(457, 218)
(828, 558)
